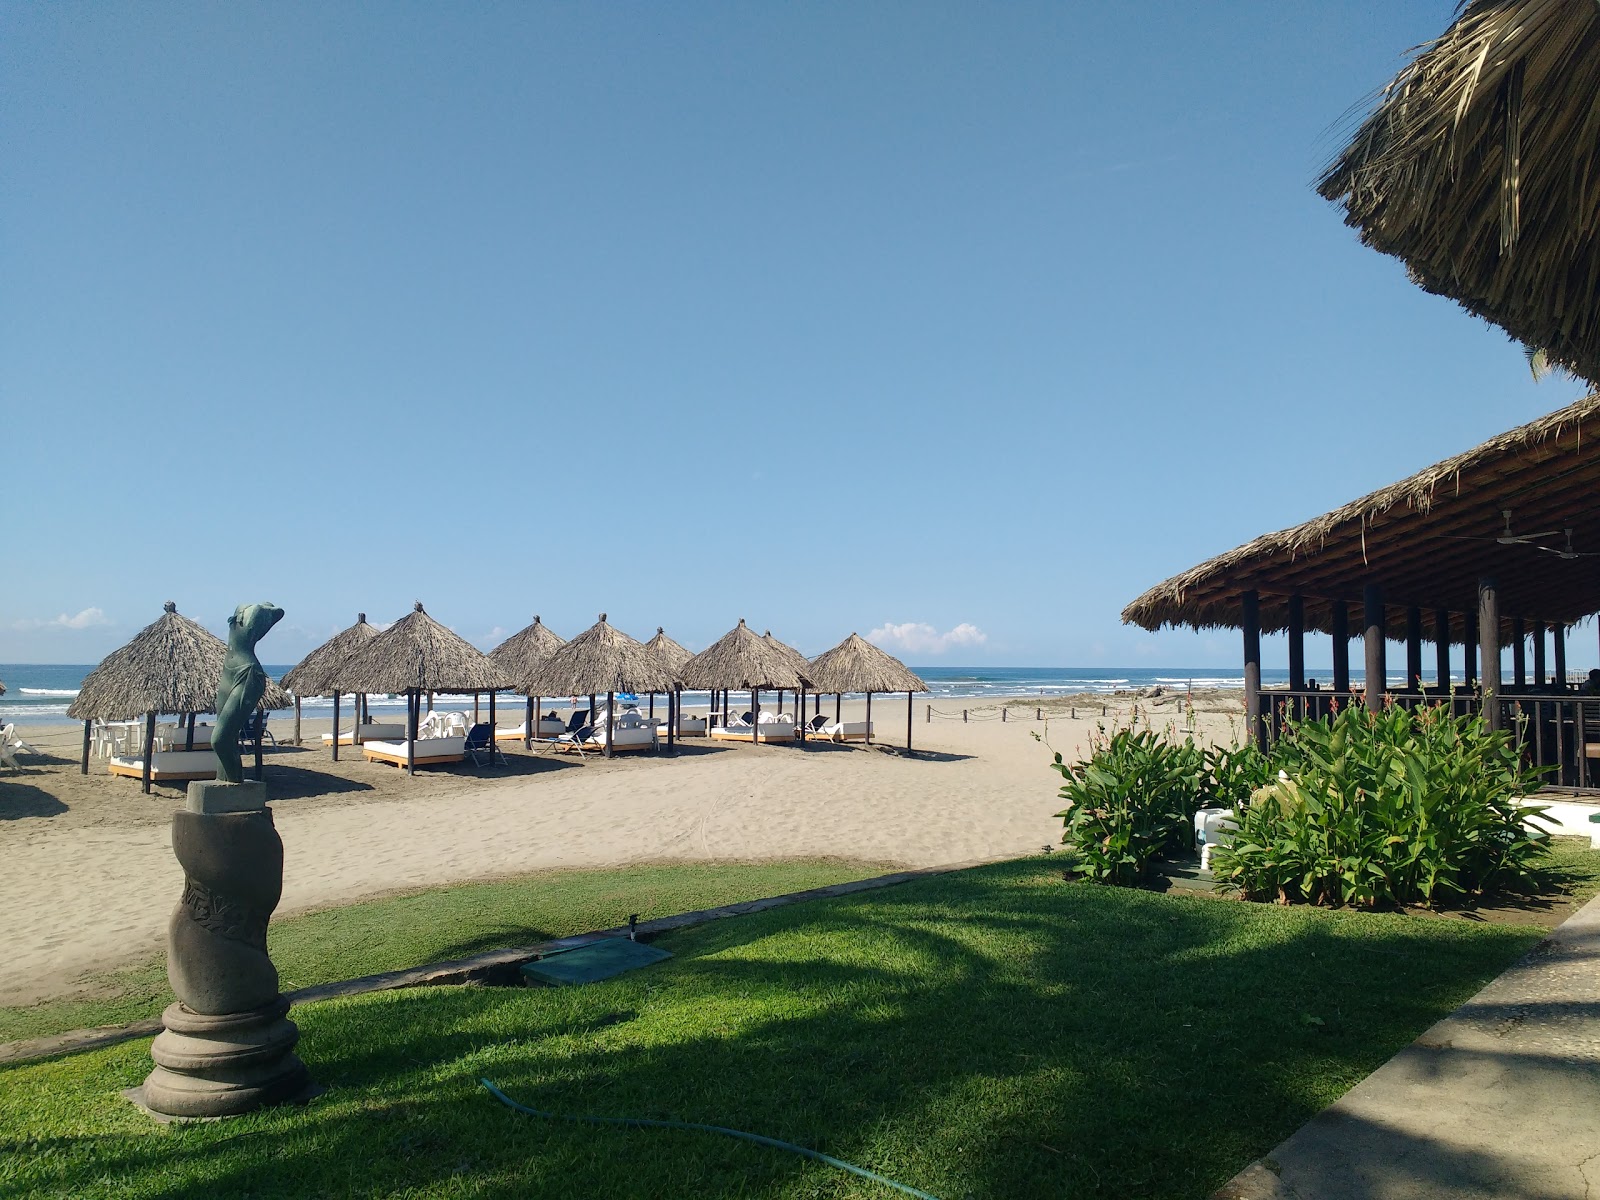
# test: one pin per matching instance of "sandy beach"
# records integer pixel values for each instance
(91, 877)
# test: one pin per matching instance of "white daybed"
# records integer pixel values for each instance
(548, 729)
(174, 765)
(429, 750)
(843, 731)
(768, 728)
(372, 731)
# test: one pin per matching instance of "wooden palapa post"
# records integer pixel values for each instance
(1372, 631)
(413, 719)
(1519, 653)
(149, 748)
(611, 716)
(910, 708)
(1558, 652)
(869, 718)
(336, 724)
(1538, 656)
(87, 732)
(297, 720)
(1297, 652)
(1441, 648)
(1489, 650)
(1341, 646)
(1250, 621)
(1413, 648)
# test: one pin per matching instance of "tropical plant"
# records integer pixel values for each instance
(1131, 803)
(1387, 807)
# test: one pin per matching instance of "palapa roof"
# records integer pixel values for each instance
(309, 677)
(856, 665)
(1426, 540)
(667, 650)
(799, 661)
(600, 659)
(172, 665)
(742, 659)
(1480, 169)
(524, 650)
(417, 653)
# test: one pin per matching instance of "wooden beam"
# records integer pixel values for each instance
(1297, 644)
(1519, 654)
(1413, 648)
(1559, 655)
(1539, 676)
(1441, 649)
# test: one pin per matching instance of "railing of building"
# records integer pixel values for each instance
(1558, 731)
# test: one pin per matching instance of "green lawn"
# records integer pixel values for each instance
(993, 1033)
(453, 922)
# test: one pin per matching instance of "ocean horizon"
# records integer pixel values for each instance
(40, 693)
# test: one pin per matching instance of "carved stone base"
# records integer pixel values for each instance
(224, 1065)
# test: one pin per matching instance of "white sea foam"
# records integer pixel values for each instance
(48, 691)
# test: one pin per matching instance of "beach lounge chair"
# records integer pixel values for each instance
(817, 724)
(575, 741)
(544, 728)
(372, 731)
(480, 746)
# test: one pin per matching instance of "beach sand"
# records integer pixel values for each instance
(91, 879)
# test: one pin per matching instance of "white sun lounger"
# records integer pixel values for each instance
(429, 750)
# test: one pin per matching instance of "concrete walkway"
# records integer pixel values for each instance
(1500, 1099)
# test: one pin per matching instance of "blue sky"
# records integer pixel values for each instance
(961, 322)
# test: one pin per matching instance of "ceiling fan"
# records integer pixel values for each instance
(1508, 538)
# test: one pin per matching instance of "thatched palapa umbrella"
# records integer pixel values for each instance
(415, 655)
(1480, 170)
(311, 676)
(601, 659)
(803, 666)
(856, 665)
(518, 655)
(674, 656)
(744, 660)
(171, 666)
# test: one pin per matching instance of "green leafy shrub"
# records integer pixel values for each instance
(1386, 807)
(1131, 803)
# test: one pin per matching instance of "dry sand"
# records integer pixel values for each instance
(90, 877)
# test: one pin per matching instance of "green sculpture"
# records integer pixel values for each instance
(239, 690)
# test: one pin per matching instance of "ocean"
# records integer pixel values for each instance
(39, 694)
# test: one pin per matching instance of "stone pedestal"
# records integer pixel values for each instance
(228, 1046)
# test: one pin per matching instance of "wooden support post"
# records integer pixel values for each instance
(1558, 654)
(297, 720)
(532, 723)
(838, 706)
(475, 709)
(611, 719)
(88, 730)
(149, 748)
(1538, 656)
(928, 719)
(1341, 646)
(1489, 650)
(413, 719)
(188, 734)
(1441, 649)
(1002, 714)
(494, 746)
(1297, 643)
(1255, 730)
(1413, 649)
(1469, 650)
(1375, 668)
(869, 718)
(336, 723)
(1519, 653)
(755, 716)
(963, 716)
(910, 708)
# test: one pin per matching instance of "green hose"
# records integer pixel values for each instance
(647, 1123)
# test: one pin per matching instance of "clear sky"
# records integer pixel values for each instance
(964, 322)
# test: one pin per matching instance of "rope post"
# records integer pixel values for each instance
(1002, 714)
(963, 716)
(1038, 714)
(929, 721)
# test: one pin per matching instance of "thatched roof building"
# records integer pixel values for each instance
(601, 659)
(1428, 539)
(310, 676)
(667, 650)
(171, 666)
(523, 651)
(417, 654)
(1480, 170)
(741, 660)
(856, 665)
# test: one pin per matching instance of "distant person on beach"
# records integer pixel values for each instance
(1311, 685)
(1593, 686)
